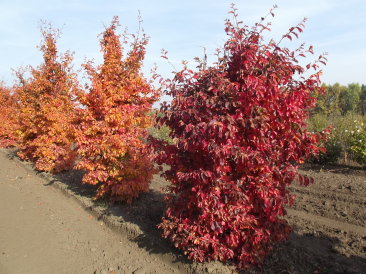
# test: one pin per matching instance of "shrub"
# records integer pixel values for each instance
(46, 109)
(112, 132)
(342, 137)
(334, 148)
(333, 152)
(160, 132)
(8, 114)
(358, 142)
(239, 130)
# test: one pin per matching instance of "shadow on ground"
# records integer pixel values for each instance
(145, 212)
(311, 254)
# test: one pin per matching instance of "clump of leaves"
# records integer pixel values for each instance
(8, 112)
(46, 108)
(239, 131)
(112, 132)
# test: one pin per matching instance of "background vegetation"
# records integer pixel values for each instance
(343, 107)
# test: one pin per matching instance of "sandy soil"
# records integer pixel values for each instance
(42, 230)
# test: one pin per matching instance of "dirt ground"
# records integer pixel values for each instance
(42, 230)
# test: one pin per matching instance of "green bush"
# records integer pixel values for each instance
(346, 139)
(333, 153)
(161, 133)
(358, 142)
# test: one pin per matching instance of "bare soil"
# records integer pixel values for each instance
(44, 231)
(51, 224)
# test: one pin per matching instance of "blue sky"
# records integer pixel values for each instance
(183, 28)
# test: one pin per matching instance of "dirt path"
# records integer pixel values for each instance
(43, 231)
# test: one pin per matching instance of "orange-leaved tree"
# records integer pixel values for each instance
(111, 135)
(8, 121)
(47, 111)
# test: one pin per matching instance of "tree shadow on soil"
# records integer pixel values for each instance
(311, 254)
(145, 212)
(72, 180)
(11, 153)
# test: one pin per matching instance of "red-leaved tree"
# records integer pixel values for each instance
(8, 120)
(46, 108)
(239, 132)
(112, 133)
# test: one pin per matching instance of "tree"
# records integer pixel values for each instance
(47, 111)
(328, 102)
(363, 100)
(239, 131)
(350, 98)
(113, 123)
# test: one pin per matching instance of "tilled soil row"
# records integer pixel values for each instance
(335, 205)
(337, 247)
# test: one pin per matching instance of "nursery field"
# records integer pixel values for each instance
(329, 220)
(41, 229)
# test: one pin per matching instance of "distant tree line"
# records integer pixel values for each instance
(340, 100)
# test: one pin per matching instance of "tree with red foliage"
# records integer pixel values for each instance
(239, 131)
(112, 133)
(8, 119)
(46, 108)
